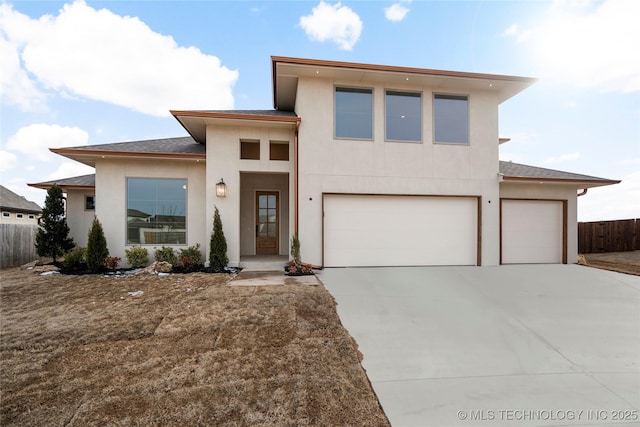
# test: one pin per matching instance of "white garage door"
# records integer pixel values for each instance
(399, 230)
(532, 231)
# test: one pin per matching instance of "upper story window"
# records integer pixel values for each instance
(89, 203)
(19, 216)
(156, 211)
(403, 116)
(354, 113)
(249, 149)
(278, 150)
(32, 217)
(6, 215)
(451, 119)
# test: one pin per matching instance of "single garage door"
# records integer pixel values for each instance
(399, 230)
(532, 231)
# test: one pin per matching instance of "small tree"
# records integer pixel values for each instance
(96, 247)
(218, 259)
(52, 239)
(295, 249)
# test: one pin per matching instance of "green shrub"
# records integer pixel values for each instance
(218, 259)
(52, 238)
(295, 248)
(75, 259)
(97, 249)
(137, 256)
(165, 254)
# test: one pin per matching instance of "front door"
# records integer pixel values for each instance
(267, 223)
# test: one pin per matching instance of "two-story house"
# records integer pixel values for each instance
(371, 165)
(16, 209)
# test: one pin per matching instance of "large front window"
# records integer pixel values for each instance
(354, 113)
(156, 211)
(403, 116)
(451, 119)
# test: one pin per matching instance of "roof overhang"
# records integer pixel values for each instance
(196, 122)
(48, 185)
(578, 183)
(286, 72)
(89, 156)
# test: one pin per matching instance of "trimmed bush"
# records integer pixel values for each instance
(137, 256)
(165, 254)
(74, 260)
(191, 257)
(97, 249)
(111, 262)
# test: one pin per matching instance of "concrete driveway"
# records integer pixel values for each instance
(510, 345)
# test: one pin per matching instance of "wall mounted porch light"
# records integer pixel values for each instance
(221, 188)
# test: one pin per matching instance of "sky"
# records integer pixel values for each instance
(83, 72)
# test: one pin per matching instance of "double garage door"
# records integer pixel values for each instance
(399, 230)
(377, 230)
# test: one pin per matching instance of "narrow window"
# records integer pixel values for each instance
(6, 215)
(19, 216)
(278, 150)
(156, 211)
(89, 203)
(403, 121)
(250, 149)
(354, 113)
(32, 217)
(451, 119)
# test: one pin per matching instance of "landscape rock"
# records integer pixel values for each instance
(44, 269)
(158, 267)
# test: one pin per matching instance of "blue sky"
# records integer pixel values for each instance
(78, 73)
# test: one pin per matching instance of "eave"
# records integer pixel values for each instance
(89, 157)
(579, 183)
(196, 122)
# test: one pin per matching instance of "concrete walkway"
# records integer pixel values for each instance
(537, 345)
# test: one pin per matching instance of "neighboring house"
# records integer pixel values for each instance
(17, 209)
(371, 165)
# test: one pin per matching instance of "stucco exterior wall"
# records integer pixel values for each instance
(111, 198)
(379, 167)
(223, 161)
(550, 192)
(79, 219)
(13, 219)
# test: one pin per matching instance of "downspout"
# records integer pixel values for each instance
(295, 178)
(583, 192)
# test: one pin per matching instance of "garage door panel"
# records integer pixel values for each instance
(532, 231)
(398, 230)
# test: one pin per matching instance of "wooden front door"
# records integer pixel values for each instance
(267, 223)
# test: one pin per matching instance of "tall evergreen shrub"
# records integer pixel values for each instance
(96, 247)
(52, 238)
(218, 259)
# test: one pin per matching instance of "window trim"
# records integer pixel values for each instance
(186, 211)
(250, 141)
(32, 217)
(19, 216)
(6, 214)
(415, 94)
(356, 89)
(458, 96)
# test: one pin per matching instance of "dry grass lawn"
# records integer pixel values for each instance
(622, 262)
(189, 351)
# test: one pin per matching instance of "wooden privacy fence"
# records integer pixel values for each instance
(17, 244)
(608, 236)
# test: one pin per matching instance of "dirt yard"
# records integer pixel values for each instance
(189, 350)
(623, 262)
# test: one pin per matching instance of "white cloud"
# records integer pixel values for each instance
(396, 12)
(620, 201)
(336, 23)
(7, 160)
(587, 45)
(70, 169)
(36, 139)
(116, 59)
(562, 158)
(512, 30)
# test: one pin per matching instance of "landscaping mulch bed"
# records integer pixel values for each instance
(182, 349)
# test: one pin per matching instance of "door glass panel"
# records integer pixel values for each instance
(263, 215)
(271, 229)
(262, 201)
(271, 201)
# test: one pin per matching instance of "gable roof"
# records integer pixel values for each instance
(76, 183)
(10, 201)
(286, 71)
(518, 172)
(184, 147)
